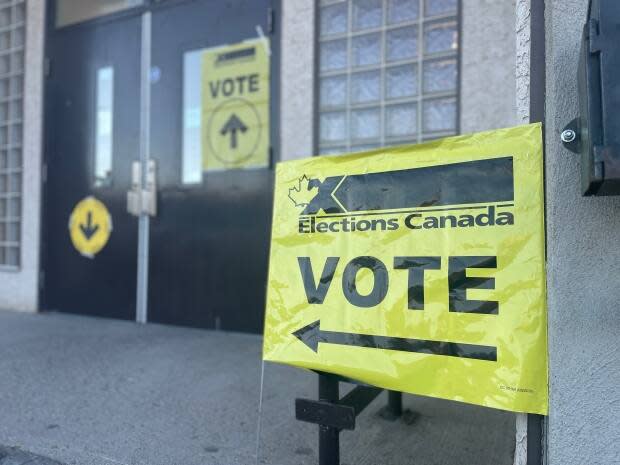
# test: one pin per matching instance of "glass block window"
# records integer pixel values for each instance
(388, 72)
(12, 36)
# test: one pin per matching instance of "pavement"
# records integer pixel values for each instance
(88, 391)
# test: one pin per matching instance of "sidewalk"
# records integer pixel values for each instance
(89, 391)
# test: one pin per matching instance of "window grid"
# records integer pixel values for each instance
(433, 103)
(12, 37)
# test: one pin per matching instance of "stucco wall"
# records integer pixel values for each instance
(583, 239)
(488, 65)
(522, 64)
(297, 79)
(19, 289)
(522, 104)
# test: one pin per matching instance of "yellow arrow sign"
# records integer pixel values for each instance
(90, 225)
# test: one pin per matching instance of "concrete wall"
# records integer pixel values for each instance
(522, 104)
(522, 68)
(488, 65)
(583, 273)
(297, 79)
(19, 289)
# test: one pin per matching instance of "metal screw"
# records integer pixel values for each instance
(568, 136)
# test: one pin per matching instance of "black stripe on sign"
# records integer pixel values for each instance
(243, 53)
(481, 181)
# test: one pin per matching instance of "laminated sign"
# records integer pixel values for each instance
(235, 106)
(417, 269)
(90, 226)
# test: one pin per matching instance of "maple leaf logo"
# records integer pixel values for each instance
(302, 194)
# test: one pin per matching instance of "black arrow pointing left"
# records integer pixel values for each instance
(312, 335)
(89, 229)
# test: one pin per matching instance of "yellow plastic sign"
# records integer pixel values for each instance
(417, 269)
(90, 225)
(235, 106)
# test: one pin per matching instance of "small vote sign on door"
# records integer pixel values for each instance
(235, 106)
(90, 226)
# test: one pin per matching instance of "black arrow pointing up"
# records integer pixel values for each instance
(312, 334)
(233, 125)
(89, 229)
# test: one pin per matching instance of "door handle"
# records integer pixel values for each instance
(142, 197)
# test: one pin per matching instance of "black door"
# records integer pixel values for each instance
(92, 136)
(209, 242)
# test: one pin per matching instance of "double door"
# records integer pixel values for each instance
(183, 180)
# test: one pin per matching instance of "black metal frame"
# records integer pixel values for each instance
(333, 414)
(315, 79)
(459, 64)
(535, 423)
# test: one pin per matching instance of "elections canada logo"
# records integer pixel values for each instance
(304, 191)
(458, 195)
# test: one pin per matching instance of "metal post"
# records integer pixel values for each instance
(142, 280)
(538, 81)
(329, 437)
(395, 403)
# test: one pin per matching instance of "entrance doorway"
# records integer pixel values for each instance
(134, 121)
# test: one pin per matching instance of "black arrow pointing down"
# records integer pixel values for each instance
(89, 229)
(312, 335)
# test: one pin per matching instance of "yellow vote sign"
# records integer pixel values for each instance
(235, 106)
(90, 225)
(417, 269)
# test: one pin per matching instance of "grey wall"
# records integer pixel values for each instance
(297, 79)
(19, 289)
(522, 103)
(583, 274)
(488, 82)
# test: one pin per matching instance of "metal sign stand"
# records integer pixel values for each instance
(334, 414)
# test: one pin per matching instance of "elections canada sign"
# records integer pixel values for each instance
(418, 269)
